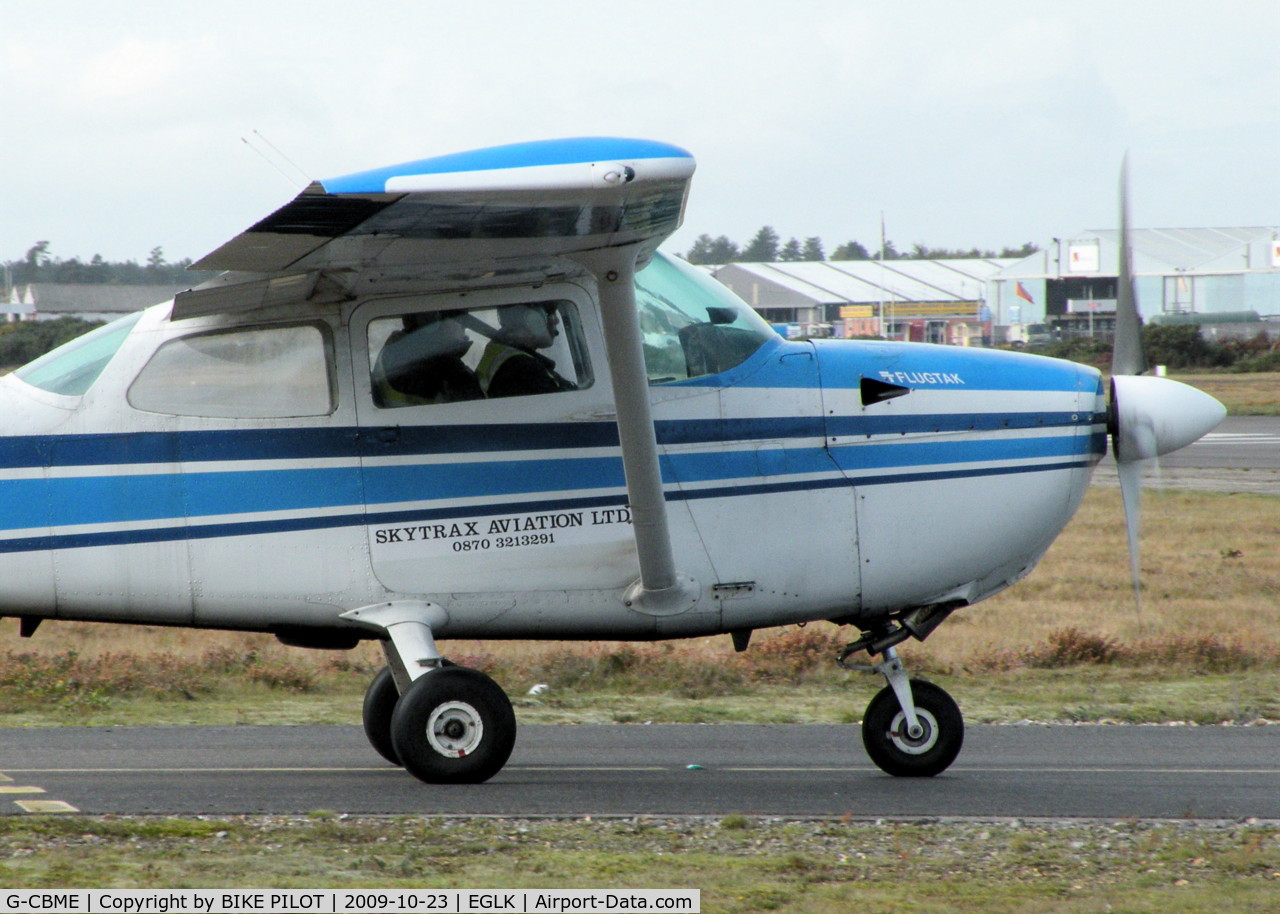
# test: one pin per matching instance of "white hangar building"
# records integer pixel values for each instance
(1176, 271)
(42, 301)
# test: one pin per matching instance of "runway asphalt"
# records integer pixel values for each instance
(1240, 455)
(625, 770)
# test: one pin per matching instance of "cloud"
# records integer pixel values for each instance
(133, 75)
(968, 125)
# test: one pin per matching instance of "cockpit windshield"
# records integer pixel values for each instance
(73, 367)
(692, 325)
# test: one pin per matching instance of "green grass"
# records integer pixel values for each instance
(739, 863)
(1100, 692)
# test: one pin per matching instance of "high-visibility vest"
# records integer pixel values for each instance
(495, 355)
(387, 396)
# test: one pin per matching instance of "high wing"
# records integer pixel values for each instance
(533, 211)
(502, 211)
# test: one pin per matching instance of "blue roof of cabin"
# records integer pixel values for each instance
(516, 155)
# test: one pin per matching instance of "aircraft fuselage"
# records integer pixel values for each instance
(796, 488)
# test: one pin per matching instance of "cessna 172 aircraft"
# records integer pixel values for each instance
(465, 397)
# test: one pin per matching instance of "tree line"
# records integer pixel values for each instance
(767, 247)
(23, 341)
(38, 265)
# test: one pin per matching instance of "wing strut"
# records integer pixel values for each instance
(661, 590)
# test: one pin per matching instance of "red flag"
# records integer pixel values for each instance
(1024, 294)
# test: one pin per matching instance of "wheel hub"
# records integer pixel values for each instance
(455, 729)
(902, 738)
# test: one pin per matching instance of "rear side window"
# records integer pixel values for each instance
(73, 367)
(250, 373)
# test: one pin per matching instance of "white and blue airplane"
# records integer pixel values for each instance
(466, 397)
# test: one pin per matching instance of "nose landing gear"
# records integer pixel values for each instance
(911, 728)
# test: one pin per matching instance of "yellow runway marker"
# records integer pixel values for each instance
(9, 788)
(46, 806)
(5, 777)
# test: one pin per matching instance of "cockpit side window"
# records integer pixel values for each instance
(692, 325)
(269, 372)
(72, 368)
(437, 357)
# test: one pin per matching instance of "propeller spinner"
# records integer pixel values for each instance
(1147, 416)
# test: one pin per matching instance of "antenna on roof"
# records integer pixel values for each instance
(298, 180)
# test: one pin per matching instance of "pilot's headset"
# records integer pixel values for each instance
(437, 333)
(532, 322)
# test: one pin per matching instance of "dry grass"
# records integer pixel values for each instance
(1210, 605)
(1210, 567)
(1255, 394)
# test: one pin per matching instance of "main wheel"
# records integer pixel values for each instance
(379, 704)
(453, 726)
(884, 732)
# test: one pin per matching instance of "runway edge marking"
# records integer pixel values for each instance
(39, 807)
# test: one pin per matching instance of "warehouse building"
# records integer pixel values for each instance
(940, 301)
(1227, 280)
(1070, 286)
(42, 301)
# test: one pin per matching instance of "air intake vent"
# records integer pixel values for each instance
(874, 391)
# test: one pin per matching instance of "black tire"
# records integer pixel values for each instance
(379, 705)
(453, 726)
(894, 752)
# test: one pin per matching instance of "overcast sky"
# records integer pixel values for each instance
(973, 123)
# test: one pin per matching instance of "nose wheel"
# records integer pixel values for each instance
(927, 750)
(912, 728)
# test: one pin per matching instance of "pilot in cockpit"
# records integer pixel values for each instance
(511, 365)
(423, 363)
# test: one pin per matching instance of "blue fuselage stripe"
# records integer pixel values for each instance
(113, 499)
(421, 482)
(294, 524)
(76, 500)
(18, 452)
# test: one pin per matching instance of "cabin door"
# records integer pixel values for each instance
(488, 453)
(773, 510)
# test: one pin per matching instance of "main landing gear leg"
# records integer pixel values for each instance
(445, 724)
(911, 728)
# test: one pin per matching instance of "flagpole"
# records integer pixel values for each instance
(882, 323)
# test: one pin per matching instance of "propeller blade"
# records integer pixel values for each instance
(1127, 356)
(1127, 359)
(1130, 472)
(1152, 416)
(1147, 416)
